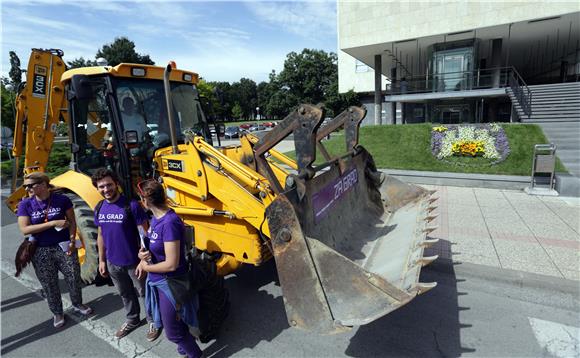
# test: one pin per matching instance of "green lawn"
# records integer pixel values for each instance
(405, 147)
(408, 147)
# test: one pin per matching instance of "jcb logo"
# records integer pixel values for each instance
(175, 165)
(40, 70)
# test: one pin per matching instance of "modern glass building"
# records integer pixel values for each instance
(456, 62)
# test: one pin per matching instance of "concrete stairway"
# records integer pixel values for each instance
(556, 108)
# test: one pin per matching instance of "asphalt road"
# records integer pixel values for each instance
(474, 311)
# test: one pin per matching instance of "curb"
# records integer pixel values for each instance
(566, 184)
(512, 182)
(520, 279)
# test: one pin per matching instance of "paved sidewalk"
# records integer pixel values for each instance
(508, 229)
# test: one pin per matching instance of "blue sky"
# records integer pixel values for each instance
(222, 41)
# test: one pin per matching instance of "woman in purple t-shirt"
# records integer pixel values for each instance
(49, 219)
(166, 257)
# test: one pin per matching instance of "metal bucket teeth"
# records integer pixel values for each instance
(432, 199)
(423, 287)
(424, 261)
(431, 218)
(429, 229)
(349, 249)
(428, 243)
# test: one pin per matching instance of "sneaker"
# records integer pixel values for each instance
(58, 320)
(153, 332)
(82, 309)
(125, 329)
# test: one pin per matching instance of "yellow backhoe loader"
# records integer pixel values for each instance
(348, 241)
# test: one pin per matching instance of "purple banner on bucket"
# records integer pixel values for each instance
(324, 200)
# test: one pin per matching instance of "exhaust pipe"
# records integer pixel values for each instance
(170, 117)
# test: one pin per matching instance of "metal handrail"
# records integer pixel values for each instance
(465, 80)
(521, 91)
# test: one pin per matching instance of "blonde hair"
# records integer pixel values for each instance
(39, 177)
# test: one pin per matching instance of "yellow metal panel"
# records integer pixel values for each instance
(124, 70)
(80, 184)
(39, 105)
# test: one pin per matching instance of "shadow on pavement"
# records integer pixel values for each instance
(107, 304)
(254, 311)
(20, 301)
(33, 334)
(428, 326)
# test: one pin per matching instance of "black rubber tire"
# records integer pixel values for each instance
(87, 229)
(214, 300)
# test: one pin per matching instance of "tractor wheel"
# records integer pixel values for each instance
(214, 302)
(87, 230)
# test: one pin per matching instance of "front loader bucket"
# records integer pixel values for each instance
(348, 245)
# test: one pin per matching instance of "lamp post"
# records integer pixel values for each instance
(258, 113)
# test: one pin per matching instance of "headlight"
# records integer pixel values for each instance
(138, 72)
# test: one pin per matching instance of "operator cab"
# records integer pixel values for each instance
(119, 121)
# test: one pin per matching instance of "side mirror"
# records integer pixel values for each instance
(81, 87)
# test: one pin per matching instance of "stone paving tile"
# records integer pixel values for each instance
(478, 259)
(504, 220)
(466, 221)
(544, 223)
(461, 196)
(571, 275)
(564, 258)
(548, 229)
(525, 256)
(509, 229)
(490, 197)
(521, 197)
(569, 214)
(474, 250)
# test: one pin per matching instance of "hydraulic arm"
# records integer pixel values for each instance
(40, 104)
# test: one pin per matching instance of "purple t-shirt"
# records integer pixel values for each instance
(120, 234)
(53, 208)
(167, 228)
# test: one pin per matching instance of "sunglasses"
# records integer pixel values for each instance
(140, 187)
(30, 186)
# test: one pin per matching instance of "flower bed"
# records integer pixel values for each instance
(487, 141)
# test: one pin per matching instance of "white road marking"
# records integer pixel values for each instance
(559, 340)
(98, 328)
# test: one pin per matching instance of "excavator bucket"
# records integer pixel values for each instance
(348, 243)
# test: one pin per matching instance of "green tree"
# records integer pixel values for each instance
(7, 98)
(337, 102)
(245, 94)
(81, 62)
(224, 99)
(278, 98)
(306, 75)
(237, 111)
(122, 50)
(15, 71)
(207, 93)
